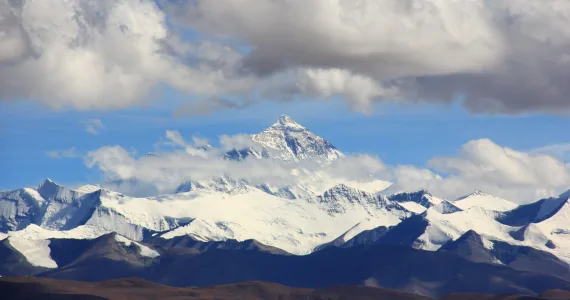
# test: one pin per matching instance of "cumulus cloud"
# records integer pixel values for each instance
(93, 54)
(504, 56)
(93, 126)
(483, 165)
(323, 84)
(85, 54)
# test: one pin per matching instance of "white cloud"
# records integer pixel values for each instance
(559, 151)
(65, 153)
(238, 141)
(325, 84)
(165, 170)
(93, 126)
(177, 140)
(200, 142)
(103, 54)
(506, 56)
(85, 54)
(175, 137)
(357, 167)
(483, 165)
(518, 176)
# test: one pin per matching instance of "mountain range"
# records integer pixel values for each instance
(312, 234)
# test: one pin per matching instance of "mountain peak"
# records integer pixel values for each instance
(286, 122)
(421, 197)
(290, 141)
(342, 192)
(446, 207)
(408, 196)
(47, 180)
(476, 193)
(50, 190)
(46, 183)
(343, 188)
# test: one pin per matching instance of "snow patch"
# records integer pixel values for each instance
(488, 244)
(147, 252)
(413, 207)
(123, 240)
(446, 207)
(35, 232)
(362, 226)
(485, 201)
(37, 252)
(88, 188)
(144, 250)
(534, 235)
(446, 227)
(371, 187)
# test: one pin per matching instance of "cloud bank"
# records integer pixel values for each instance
(164, 171)
(521, 177)
(502, 56)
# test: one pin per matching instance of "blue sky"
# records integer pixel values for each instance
(398, 134)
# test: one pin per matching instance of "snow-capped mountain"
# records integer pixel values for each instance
(416, 202)
(184, 262)
(253, 211)
(294, 226)
(315, 213)
(249, 218)
(19, 208)
(343, 199)
(340, 215)
(540, 225)
(285, 140)
(49, 205)
(477, 248)
(289, 141)
(446, 207)
(483, 200)
(216, 184)
(243, 213)
(54, 207)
